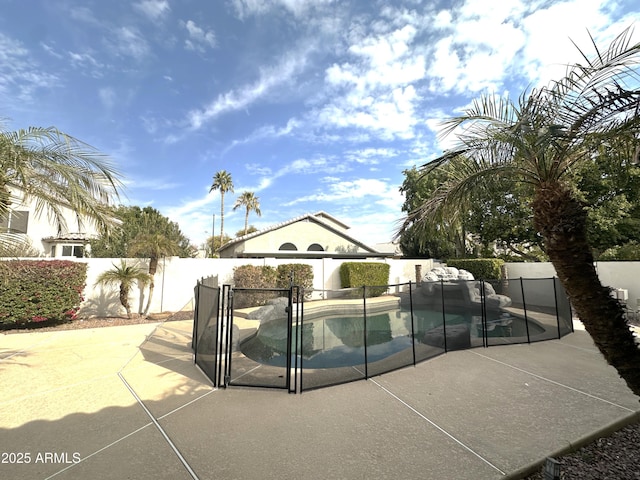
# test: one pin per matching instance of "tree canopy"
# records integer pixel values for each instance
(56, 170)
(500, 223)
(251, 203)
(136, 221)
(222, 181)
(540, 140)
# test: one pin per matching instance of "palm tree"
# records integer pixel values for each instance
(153, 246)
(222, 181)
(57, 170)
(539, 140)
(251, 203)
(125, 276)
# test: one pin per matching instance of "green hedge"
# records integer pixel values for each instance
(480, 268)
(40, 291)
(302, 276)
(629, 252)
(250, 276)
(357, 274)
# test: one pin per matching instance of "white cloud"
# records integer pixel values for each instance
(152, 184)
(346, 190)
(390, 114)
(370, 156)
(265, 132)
(258, 169)
(199, 38)
(128, 41)
(20, 76)
(481, 49)
(372, 228)
(87, 63)
(375, 89)
(51, 50)
(247, 8)
(108, 97)
(84, 14)
(241, 98)
(154, 10)
(547, 55)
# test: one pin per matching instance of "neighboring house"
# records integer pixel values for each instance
(317, 235)
(25, 220)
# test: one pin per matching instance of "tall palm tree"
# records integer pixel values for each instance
(152, 246)
(57, 170)
(251, 204)
(222, 181)
(125, 276)
(539, 140)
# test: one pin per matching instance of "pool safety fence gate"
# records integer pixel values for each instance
(295, 339)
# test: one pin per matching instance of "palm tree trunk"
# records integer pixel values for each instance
(246, 221)
(153, 267)
(151, 287)
(561, 220)
(221, 217)
(124, 299)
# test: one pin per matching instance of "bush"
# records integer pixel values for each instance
(302, 275)
(480, 268)
(258, 277)
(370, 274)
(629, 252)
(40, 291)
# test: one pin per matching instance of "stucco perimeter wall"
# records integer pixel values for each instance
(615, 275)
(176, 278)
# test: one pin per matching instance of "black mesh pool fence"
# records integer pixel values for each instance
(299, 339)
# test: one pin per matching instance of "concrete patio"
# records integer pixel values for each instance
(127, 402)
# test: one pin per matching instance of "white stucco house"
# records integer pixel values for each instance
(27, 221)
(313, 235)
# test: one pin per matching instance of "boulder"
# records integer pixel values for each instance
(458, 337)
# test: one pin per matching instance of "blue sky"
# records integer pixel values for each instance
(310, 104)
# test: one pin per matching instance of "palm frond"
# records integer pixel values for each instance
(57, 170)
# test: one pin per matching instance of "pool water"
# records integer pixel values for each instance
(333, 342)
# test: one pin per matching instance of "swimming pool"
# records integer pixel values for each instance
(340, 341)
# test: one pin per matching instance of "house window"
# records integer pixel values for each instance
(288, 246)
(15, 222)
(53, 251)
(314, 247)
(73, 250)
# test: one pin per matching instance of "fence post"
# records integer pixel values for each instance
(483, 315)
(364, 306)
(524, 308)
(289, 334)
(444, 317)
(194, 333)
(413, 329)
(555, 299)
(300, 323)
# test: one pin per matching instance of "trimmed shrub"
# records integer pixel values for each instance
(252, 276)
(40, 291)
(370, 274)
(302, 275)
(480, 268)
